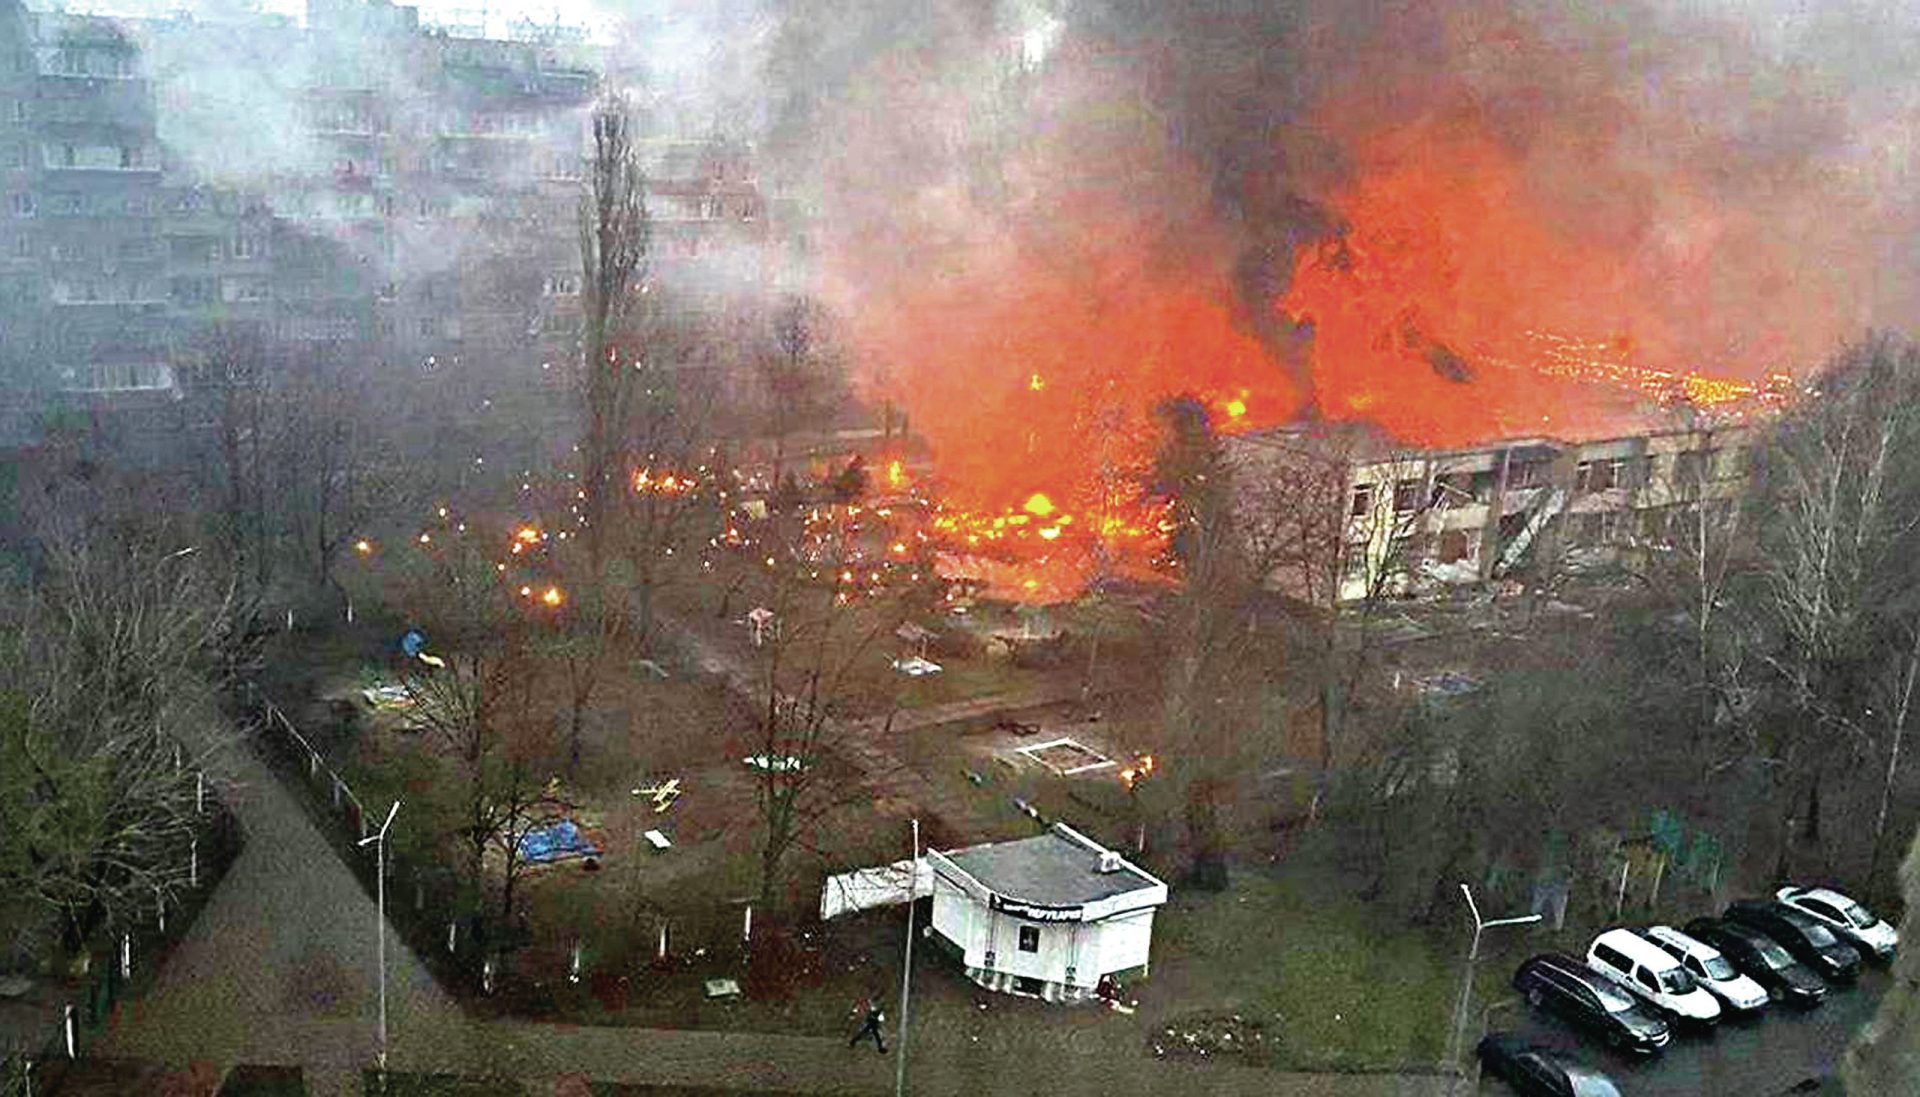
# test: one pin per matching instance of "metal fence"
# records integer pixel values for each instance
(477, 955)
(123, 965)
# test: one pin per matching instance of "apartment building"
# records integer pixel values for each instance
(359, 181)
(1383, 519)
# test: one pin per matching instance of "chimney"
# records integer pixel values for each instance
(1109, 861)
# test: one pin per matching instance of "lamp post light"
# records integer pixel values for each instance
(1473, 957)
(379, 842)
(906, 966)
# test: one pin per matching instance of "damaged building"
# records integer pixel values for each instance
(1344, 514)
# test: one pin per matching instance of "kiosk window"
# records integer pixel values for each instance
(1029, 938)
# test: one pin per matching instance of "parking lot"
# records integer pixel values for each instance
(1762, 1057)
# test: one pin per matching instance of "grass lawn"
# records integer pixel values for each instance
(395, 1084)
(1332, 986)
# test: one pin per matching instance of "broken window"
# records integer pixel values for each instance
(1406, 495)
(1527, 474)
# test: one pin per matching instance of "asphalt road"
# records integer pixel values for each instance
(1763, 1057)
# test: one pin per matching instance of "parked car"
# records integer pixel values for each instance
(1710, 969)
(1810, 942)
(1533, 1069)
(1844, 917)
(1760, 956)
(1587, 998)
(1648, 972)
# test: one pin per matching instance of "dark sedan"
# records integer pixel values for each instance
(1801, 934)
(1540, 1071)
(1583, 996)
(1753, 952)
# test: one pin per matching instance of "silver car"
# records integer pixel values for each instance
(1709, 968)
(1845, 917)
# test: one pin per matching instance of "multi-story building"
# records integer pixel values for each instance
(1360, 517)
(359, 181)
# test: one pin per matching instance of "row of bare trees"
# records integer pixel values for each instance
(1757, 656)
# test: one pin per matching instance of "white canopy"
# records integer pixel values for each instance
(884, 886)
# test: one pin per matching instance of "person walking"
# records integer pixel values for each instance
(873, 1018)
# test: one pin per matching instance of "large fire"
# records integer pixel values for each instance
(1467, 222)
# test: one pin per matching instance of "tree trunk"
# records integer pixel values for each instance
(1209, 870)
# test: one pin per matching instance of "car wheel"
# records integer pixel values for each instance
(1614, 1039)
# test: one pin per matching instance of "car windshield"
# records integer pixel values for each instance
(1593, 1085)
(1819, 936)
(1676, 981)
(1612, 999)
(1858, 915)
(1717, 968)
(1775, 956)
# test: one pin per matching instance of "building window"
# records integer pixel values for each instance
(428, 327)
(1527, 474)
(243, 247)
(1690, 468)
(1455, 546)
(562, 285)
(1406, 496)
(1029, 938)
(23, 205)
(1362, 500)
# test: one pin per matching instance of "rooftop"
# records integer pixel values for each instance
(1058, 868)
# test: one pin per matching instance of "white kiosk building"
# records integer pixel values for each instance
(1045, 916)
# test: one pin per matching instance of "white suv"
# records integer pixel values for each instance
(1845, 917)
(1646, 970)
(1709, 968)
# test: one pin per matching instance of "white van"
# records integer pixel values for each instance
(1709, 969)
(1648, 971)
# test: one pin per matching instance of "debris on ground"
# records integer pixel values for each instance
(1212, 1035)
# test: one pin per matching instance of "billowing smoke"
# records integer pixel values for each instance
(1034, 217)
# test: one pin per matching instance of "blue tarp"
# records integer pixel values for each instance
(555, 841)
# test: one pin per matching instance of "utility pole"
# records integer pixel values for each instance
(379, 842)
(906, 967)
(1466, 984)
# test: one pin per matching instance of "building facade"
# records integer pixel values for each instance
(1383, 520)
(360, 181)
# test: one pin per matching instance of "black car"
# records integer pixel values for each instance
(1801, 934)
(1531, 1068)
(1753, 952)
(1570, 988)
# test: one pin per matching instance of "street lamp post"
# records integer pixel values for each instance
(379, 843)
(906, 968)
(1473, 957)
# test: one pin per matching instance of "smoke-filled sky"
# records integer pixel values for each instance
(1391, 210)
(1031, 214)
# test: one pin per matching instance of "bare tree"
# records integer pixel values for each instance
(1206, 723)
(481, 704)
(108, 713)
(615, 235)
(1842, 492)
(802, 683)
